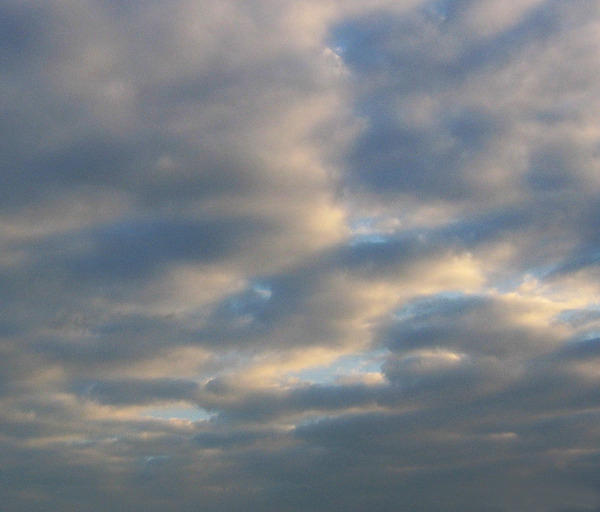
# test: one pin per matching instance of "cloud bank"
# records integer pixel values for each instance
(284, 256)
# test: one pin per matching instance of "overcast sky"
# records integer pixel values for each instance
(300, 255)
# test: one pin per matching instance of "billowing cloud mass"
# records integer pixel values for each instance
(284, 256)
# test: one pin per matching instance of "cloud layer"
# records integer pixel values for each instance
(284, 256)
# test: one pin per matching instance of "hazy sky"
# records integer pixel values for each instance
(300, 256)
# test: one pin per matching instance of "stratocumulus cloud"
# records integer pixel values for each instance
(288, 256)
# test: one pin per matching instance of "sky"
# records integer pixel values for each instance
(300, 255)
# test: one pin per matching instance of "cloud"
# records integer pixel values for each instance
(506, 327)
(138, 392)
(287, 256)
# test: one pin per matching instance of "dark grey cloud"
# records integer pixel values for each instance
(84, 343)
(22, 29)
(137, 392)
(582, 350)
(132, 249)
(475, 325)
(425, 137)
